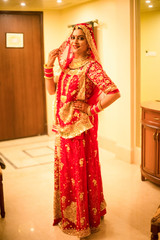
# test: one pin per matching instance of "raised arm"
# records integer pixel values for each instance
(48, 71)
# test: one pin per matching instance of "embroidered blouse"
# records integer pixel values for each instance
(78, 84)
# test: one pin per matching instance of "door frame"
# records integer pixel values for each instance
(135, 80)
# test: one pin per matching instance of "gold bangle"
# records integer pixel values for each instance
(49, 78)
(45, 66)
(99, 106)
(94, 108)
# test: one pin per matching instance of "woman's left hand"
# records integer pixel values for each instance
(81, 106)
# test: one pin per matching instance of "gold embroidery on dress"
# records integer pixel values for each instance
(103, 205)
(94, 182)
(63, 98)
(67, 112)
(110, 88)
(76, 72)
(92, 68)
(82, 220)
(71, 212)
(70, 131)
(57, 144)
(76, 114)
(67, 147)
(94, 211)
(56, 202)
(73, 181)
(56, 205)
(95, 153)
(81, 195)
(61, 165)
(81, 161)
(63, 199)
(65, 223)
(74, 91)
(81, 233)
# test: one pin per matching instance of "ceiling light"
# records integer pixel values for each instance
(23, 4)
(150, 6)
(59, 1)
(148, 1)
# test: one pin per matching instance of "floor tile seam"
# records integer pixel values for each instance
(22, 144)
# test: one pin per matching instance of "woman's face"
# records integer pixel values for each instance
(79, 43)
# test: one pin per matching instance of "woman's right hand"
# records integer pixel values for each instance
(52, 56)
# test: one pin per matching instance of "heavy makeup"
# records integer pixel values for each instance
(79, 43)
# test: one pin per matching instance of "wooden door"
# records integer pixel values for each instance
(22, 89)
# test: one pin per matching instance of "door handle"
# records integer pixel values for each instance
(154, 136)
(157, 136)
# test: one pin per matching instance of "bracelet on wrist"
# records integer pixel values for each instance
(48, 78)
(46, 67)
(48, 72)
(96, 108)
(99, 106)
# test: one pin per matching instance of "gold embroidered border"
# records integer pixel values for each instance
(110, 88)
(103, 205)
(82, 233)
(77, 128)
(71, 212)
(56, 205)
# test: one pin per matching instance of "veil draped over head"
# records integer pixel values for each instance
(66, 54)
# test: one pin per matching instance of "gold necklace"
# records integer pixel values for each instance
(78, 62)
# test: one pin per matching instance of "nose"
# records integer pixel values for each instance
(75, 40)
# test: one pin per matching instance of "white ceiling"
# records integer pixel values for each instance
(35, 5)
(145, 8)
(39, 4)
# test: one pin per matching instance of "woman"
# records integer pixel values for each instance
(79, 203)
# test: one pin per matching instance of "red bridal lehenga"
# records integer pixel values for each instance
(78, 195)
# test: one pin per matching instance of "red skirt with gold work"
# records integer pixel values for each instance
(78, 195)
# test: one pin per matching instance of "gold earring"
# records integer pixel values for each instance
(88, 51)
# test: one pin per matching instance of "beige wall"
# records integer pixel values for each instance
(113, 35)
(52, 38)
(150, 65)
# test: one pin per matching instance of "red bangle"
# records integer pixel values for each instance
(48, 69)
(48, 74)
(96, 108)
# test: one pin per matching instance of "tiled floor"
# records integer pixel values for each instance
(28, 192)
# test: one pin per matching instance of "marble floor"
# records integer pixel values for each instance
(28, 193)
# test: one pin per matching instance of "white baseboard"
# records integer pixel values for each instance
(121, 152)
(137, 158)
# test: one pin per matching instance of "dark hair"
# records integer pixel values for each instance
(76, 27)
